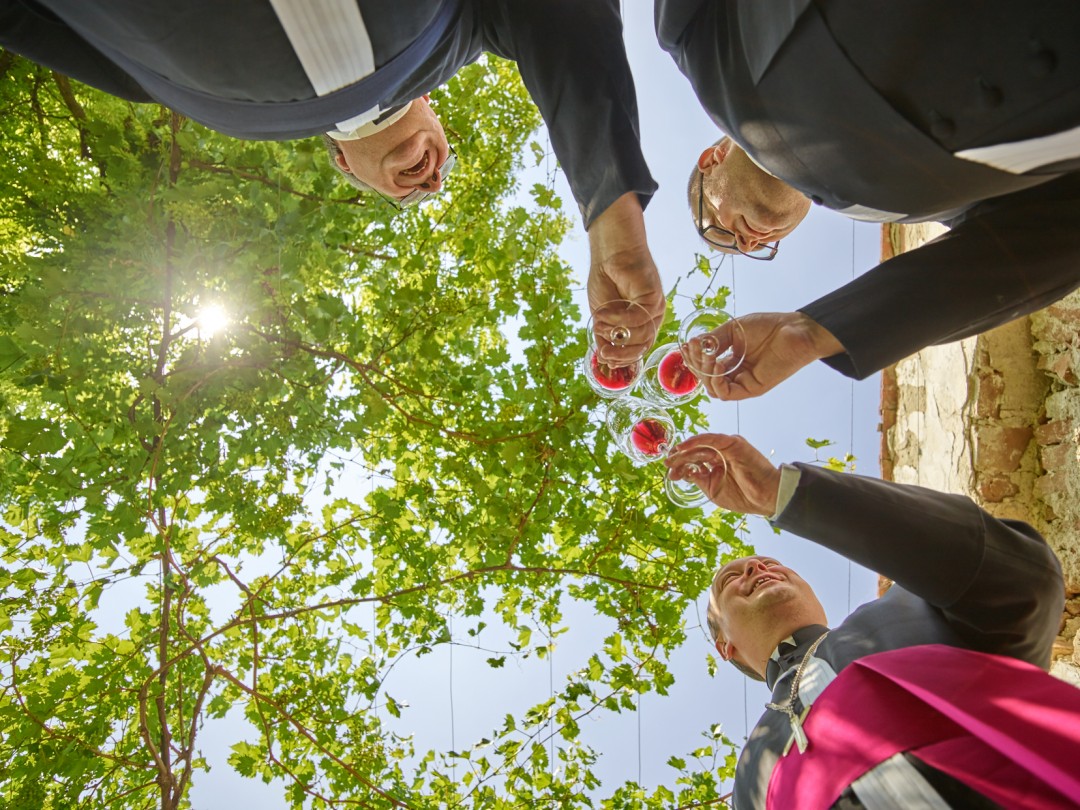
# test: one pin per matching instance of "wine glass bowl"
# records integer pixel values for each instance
(610, 381)
(617, 332)
(706, 464)
(713, 343)
(666, 379)
(644, 432)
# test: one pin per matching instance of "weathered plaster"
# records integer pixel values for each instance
(997, 418)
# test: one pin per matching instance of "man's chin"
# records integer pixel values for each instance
(772, 593)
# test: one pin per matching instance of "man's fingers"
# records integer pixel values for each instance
(701, 463)
(729, 389)
(621, 356)
(717, 441)
(612, 320)
(623, 332)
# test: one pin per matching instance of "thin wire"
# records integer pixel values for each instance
(453, 736)
(851, 417)
(745, 711)
(742, 527)
(551, 696)
(639, 738)
(735, 313)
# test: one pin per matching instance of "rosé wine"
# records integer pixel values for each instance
(613, 379)
(674, 376)
(651, 438)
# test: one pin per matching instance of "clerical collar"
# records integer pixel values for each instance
(385, 119)
(790, 652)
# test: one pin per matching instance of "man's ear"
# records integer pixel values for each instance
(725, 648)
(714, 155)
(342, 163)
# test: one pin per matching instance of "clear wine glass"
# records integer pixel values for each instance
(712, 342)
(642, 431)
(666, 380)
(613, 362)
(645, 433)
(704, 460)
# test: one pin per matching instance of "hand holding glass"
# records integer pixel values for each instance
(713, 343)
(616, 332)
(666, 379)
(645, 433)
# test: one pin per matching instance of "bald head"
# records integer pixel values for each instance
(741, 199)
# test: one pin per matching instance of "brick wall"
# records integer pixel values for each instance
(997, 418)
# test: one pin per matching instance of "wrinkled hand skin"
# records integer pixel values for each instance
(747, 483)
(778, 344)
(623, 268)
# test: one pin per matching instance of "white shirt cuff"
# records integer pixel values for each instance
(789, 480)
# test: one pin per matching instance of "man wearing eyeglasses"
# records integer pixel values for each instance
(360, 70)
(964, 114)
(933, 696)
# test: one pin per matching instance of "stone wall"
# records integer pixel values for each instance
(997, 418)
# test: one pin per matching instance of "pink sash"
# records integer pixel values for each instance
(1001, 726)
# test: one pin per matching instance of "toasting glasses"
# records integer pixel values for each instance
(645, 433)
(711, 344)
(613, 362)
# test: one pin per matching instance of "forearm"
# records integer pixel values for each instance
(618, 236)
(1006, 258)
(42, 37)
(993, 577)
(573, 63)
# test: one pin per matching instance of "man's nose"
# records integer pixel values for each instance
(433, 183)
(747, 243)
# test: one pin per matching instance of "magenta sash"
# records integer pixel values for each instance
(1001, 726)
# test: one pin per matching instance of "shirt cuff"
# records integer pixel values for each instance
(789, 480)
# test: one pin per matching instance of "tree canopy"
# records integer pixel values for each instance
(194, 520)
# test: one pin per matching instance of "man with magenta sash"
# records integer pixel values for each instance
(934, 695)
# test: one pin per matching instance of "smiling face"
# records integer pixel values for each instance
(401, 158)
(754, 603)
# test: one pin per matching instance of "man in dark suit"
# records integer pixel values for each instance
(360, 70)
(966, 113)
(986, 594)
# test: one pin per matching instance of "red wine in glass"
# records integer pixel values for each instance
(614, 379)
(651, 438)
(674, 376)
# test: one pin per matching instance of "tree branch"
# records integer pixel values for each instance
(304, 732)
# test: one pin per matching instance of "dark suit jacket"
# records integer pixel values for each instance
(862, 106)
(963, 578)
(570, 55)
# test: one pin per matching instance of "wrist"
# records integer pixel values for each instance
(618, 234)
(823, 342)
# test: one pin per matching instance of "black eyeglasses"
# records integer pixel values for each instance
(723, 238)
(417, 195)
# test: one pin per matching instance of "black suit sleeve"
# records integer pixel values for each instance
(573, 62)
(34, 32)
(995, 581)
(1004, 258)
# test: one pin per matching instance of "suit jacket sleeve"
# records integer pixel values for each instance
(32, 31)
(1004, 258)
(573, 62)
(995, 581)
